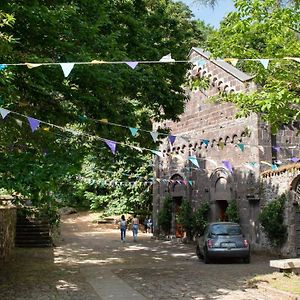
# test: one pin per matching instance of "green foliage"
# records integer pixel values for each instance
(272, 219)
(55, 164)
(200, 218)
(264, 29)
(232, 212)
(185, 218)
(165, 215)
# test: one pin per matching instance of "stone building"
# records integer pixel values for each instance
(217, 158)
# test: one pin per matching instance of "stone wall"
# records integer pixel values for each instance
(7, 230)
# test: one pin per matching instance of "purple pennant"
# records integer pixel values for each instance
(112, 145)
(276, 148)
(34, 123)
(4, 112)
(294, 159)
(172, 139)
(227, 165)
(132, 64)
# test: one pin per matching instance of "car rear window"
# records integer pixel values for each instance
(226, 229)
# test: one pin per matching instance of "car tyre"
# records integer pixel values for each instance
(205, 257)
(198, 252)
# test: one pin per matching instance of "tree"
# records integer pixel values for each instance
(46, 164)
(262, 29)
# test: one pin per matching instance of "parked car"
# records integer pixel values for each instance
(223, 239)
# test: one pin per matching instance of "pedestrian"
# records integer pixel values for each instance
(123, 226)
(149, 225)
(145, 224)
(135, 227)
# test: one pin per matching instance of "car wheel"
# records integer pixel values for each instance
(198, 252)
(205, 257)
(247, 259)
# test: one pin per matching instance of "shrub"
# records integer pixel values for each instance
(185, 218)
(165, 215)
(200, 218)
(232, 212)
(271, 219)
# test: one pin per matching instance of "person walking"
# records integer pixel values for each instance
(135, 227)
(123, 226)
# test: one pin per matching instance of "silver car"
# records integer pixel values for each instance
(223, 239)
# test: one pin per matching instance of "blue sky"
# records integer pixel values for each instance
(209, 15)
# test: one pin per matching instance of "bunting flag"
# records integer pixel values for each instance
(227, 165)
(221, 145)
(103, 121)
(158, 153)
(137, 148)
(294, 159)
(132, 64)
(274, 167)
(112, 145)
(265, 163)
(172, 139)
(194, 160)
(31, 66)
(276, 148)
(191, 182)
(205, 142)
(167, 58)
(67, 68)
(154, 135)
(233, 61)
(264, 62)
(241, 146)
(2, 67)
(4, 112)
(200, 62)
(297, 59)
(34, 123)
(19, 122)
(133, 131)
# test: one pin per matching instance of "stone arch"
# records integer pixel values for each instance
(295, 185)
(221, 193)
(177, 187)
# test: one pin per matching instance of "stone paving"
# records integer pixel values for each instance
(90, 262)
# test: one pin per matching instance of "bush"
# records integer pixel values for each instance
(200, 218)
(232, 212)
(165, 215)
(185, 218)
(271, 219)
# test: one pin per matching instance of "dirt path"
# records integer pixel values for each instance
(90, 262)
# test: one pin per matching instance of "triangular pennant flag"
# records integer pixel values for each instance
(276, 148)
(194, 160)
(4, 112)
(233, 61)
(172, 139)
(154, 135)
(132, 64)
(265, 163)
(19, 122)
(137, 148)
(190, 182)
(2, 67)
(103, 121)
(82, 118)
(167, 58)
(67, 68)
(112, 145)
(31, 66)
(34, 123)
(274, 167)
(264, 62)
(158, 153)
(294, 159)
(227, 165)
(241, 146)
(205, 142)
(294, 58)
(201, 62)
(221, 145)
(262, 149)
(133, 131)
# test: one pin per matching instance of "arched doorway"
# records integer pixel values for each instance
(177, 190)
(221, 193)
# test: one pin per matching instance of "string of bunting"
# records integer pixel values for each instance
(35, 124)
(67, 67)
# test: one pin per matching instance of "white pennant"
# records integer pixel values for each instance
(67, 68)
(154, 135)
(167, 58)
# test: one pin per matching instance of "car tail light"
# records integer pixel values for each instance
(209, 243)
(246, 244)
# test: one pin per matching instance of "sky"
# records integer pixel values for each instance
(209, 15)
